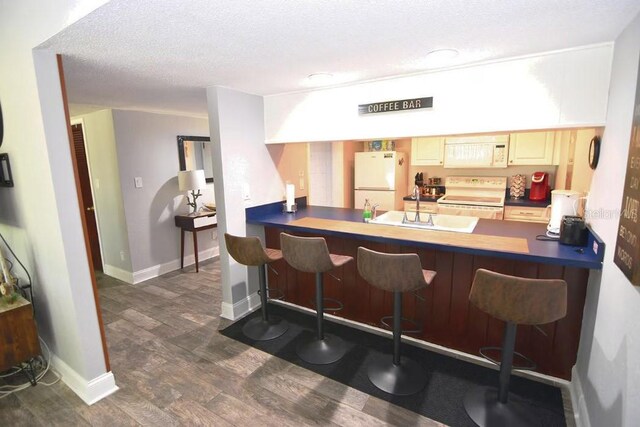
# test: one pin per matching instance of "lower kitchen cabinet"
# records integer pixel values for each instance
(526, 214)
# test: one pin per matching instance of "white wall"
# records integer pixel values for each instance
(40, 217)
(147, 147)
(241, 162)
(607, 373)
(100, 142)
(551, 90)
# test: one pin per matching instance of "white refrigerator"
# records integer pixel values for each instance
(381, 177)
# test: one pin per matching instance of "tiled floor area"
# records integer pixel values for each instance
(174, 368)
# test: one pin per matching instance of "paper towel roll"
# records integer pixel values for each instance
(291, 196)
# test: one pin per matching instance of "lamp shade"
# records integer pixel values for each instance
(191, 180)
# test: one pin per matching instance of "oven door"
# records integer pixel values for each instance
(487, 212)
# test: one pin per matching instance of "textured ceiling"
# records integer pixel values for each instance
(160, 55)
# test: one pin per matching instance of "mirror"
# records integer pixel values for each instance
(194, 152)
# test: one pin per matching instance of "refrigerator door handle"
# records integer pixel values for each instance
(374, 188)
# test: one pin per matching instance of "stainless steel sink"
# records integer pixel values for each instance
(460, 224)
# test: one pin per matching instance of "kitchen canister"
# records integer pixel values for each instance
(518, 184)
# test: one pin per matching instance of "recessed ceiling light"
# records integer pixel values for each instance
(440, 57)
(320, 79)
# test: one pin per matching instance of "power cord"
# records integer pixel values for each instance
(6, 390)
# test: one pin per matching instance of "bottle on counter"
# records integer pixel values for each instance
(366, 213)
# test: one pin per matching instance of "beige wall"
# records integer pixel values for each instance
(292, 163)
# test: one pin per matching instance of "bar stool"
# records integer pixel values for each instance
(311, 255)
(249, 251)
(517, 301)
(395, 273)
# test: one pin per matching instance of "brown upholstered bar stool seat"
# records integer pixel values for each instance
(516, 301)
(249, 251)
(395, 273)
(311, 255)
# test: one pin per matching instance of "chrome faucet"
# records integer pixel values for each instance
(416, 194)
(374, 210)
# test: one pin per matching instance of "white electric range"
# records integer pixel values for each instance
(481, 196)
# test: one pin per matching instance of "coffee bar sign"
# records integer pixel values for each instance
(399, 105)
(627, 251)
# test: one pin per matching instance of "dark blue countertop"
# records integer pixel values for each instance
(547, 252)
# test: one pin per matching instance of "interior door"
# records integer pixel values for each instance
(87, 196)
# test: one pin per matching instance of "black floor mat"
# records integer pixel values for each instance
(448, 378)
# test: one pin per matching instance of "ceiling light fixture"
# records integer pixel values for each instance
(440, 58)
(320, 79)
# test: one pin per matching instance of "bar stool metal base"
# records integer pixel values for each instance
(400, 380)
(322, 352)
(263, 330)
(483, 407)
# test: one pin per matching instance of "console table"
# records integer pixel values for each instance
(18, 336)
(194, 223)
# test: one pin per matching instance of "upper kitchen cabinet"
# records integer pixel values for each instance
(427, 151)
(531, 148)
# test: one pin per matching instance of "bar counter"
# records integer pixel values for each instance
(441, 310)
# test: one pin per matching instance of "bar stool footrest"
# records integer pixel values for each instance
(417, 330)
(532, 366)
(339, 304)
(278, 292)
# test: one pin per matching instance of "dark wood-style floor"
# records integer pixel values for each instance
(174, 368)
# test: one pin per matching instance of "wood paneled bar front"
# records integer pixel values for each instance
(442, 310)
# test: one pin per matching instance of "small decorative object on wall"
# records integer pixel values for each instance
(518, 184)
(627, 251)
(594, 152)
(399, 105)
(6, 180)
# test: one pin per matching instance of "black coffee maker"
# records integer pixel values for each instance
(573, 231)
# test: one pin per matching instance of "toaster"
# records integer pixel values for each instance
(573, 231)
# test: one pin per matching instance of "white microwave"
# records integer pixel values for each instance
(489, 151)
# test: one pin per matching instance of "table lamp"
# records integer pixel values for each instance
(191, 181)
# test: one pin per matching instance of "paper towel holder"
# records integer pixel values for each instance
(289, 209)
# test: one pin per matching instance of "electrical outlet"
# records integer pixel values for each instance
(121, 255)
(246, 194)
(302, 183)
(138, 181)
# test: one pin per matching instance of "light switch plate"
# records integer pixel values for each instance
(138, 181)
(246, 194)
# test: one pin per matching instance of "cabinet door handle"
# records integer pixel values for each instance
(91, 208)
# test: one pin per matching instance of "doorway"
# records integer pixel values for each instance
(88, 205)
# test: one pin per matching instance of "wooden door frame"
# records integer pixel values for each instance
(83, 218)
(80, 121)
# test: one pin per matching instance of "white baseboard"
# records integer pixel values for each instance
(241, 308)
(157, 270)
(89, 391)
(580, 412)
(118, 273)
